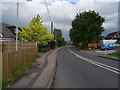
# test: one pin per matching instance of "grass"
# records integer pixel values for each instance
(114, 54)
(18, 72)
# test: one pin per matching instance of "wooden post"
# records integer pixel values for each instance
(22, 44)
(36, 43)
(8, 46)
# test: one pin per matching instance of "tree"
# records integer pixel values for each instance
(86, 28)
(60, 41)
(36, 31)
(57, 33)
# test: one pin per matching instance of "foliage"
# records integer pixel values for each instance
(5, 83)
(57, 33)
(86, 28)
(35, 31)
(60, 41)
(43, 47)
(52, 44)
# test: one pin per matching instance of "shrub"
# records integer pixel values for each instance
(52, 44)
(44, 49)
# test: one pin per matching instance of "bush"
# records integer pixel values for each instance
(44, 49)
(52, 44)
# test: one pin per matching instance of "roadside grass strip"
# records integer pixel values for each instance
(114, 54)
(110, 68)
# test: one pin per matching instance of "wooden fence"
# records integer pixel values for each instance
(94, 45)
(117, 50)
(11, 45)
(12, 59)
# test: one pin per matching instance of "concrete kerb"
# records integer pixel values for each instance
(47, 75)
(102, 55)
(51, 80)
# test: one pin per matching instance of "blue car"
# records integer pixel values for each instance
(109, 47)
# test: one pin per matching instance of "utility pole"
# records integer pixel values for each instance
(17, 17)
(17, 25)
(51, 27)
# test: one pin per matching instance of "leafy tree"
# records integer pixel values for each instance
(35, 31)
(60, 41)
(86, 28)
(57, 33)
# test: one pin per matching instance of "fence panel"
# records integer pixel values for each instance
(117, 50)
(11, 45)
(95, 45)
(12, 59)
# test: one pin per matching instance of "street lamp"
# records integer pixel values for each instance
(17, 24)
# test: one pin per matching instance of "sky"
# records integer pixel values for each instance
(62, 12)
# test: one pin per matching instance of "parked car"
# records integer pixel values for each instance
(109, 46)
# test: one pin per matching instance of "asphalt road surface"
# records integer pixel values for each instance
(76, 69)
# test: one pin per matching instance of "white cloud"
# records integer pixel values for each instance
(62, 12)
(110, 25)
(107, 0)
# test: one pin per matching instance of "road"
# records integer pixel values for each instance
(76, 69)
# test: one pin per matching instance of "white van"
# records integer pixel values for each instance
(106, 42)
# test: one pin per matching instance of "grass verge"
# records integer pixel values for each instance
(18, 72)
(114, 54)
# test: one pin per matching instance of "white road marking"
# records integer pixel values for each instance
(110, 68)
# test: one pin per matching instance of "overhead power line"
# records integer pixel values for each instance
(48, 11)
(51, 22)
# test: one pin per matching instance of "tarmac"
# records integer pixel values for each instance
(41, 74)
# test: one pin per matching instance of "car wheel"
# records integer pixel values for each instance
(106, 49)
(103, 49)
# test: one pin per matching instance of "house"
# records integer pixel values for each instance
(113, 36)
(7, 33)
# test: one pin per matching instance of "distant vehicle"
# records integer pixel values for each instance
(106, 42)
(109, 46)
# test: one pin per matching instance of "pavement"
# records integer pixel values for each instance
(41, 74)
(102, 54)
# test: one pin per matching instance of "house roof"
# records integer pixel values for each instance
(7, 32)
(112, 35)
